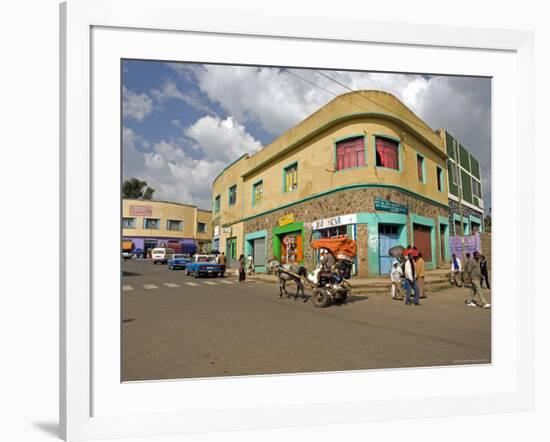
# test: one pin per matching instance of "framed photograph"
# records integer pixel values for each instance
(273, 221)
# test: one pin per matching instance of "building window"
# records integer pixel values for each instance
(420, 168)
(350, 153)
(151, 223)
(173, 224)
(217, 202)
(290, 177)
(257, 193)
(201, 227)
(387, 153)
(476, 188)
(454, 170)
(128, 223)
(232, 195)
(439, 173)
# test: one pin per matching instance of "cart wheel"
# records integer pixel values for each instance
(320, 298)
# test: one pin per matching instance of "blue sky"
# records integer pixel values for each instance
(183, 122)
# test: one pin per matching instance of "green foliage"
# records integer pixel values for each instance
(134, 188)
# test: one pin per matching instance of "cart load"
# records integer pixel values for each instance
(341, 247)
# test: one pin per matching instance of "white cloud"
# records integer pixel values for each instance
(136, 106)
(173, 173)
(169, 91)
(221, 140)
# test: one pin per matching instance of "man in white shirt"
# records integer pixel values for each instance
(396, 275)
(456, 271)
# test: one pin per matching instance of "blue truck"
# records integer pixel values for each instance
(205, 265)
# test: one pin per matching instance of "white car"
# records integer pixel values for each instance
(162, 255)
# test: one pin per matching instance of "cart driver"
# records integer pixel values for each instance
(327, 262)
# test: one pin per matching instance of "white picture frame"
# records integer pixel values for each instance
(90, 406)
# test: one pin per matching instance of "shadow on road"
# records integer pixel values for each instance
(127, 273)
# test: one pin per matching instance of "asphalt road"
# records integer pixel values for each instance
(176, 326)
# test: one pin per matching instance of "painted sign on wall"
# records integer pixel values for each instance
(334, 221)
(385, 205)
(287, 219)
(141, 210)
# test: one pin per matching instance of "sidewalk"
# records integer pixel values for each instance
(436, 280)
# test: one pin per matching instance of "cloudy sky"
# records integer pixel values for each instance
(183, 123)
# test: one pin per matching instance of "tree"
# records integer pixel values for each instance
(134, 188)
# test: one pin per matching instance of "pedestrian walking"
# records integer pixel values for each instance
(250, 265)
(396, 277)
(222, 261)
(456, 271)
(421, 275)
(410, 276)
(474, 270)
(466, 274)
(242, 272)
(484, 272)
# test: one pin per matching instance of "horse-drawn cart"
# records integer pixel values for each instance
(329, 285)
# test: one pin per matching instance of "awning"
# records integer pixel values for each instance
(188, 246)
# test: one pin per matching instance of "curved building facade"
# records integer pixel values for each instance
(364, 166)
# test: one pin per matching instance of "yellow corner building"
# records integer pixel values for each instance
(364, 166)
(149, 224)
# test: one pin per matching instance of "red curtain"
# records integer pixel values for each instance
(350, 153)
(386, 153)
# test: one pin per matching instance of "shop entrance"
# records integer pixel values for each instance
(291, 247)
(422, 239)
(231, 252)
(388, 237)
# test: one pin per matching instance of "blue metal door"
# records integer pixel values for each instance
(388, 236)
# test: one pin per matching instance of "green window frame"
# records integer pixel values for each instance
(440, 177)
(217, 203)
(337, 141)
(232, 196)
(399, 159)
(257, 193)
(290, 177)
(422, 169)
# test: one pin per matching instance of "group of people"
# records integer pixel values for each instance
(411, 274)
(245, 265)
(474, 273)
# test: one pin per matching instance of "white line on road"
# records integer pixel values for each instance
(192, 284)
(226, 282)
(127, 288)
(150, 286)
(171, 284)
(210, 282)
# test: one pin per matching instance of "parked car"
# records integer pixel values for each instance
(162, 255)
(178, 261)
(204, 265)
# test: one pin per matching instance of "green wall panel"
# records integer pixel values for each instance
(466, 187)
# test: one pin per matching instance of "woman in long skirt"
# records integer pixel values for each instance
(242, 272)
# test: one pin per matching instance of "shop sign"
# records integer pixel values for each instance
(217, 230)
(389, 206)
(287, 219)
(141, 210)
(334, 221)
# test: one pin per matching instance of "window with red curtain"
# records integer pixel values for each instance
(387, 153)
(350, 153)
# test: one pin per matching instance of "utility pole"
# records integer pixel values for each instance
(459, 182)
